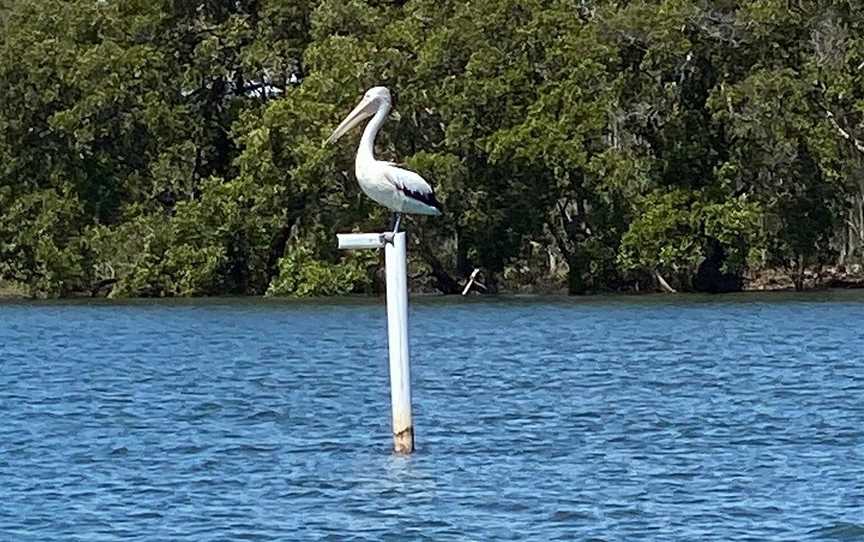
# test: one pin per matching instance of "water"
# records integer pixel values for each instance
(640, 418)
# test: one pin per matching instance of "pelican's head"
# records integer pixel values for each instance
(375, 98)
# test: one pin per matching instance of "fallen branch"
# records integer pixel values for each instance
(664, 284)
(471, 282)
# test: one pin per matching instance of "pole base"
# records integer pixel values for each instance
(403, 442)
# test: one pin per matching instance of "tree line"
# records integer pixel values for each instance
(174, 147)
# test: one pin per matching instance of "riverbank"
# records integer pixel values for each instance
(13, 290)
(770, 280)
(829, 277)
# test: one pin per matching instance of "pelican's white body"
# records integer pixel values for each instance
(387, 184)
(399, 190)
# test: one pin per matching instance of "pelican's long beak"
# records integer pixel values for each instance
(365, 109)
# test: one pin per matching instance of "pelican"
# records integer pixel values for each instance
(399, 190)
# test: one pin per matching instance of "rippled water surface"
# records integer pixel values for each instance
(664, 418)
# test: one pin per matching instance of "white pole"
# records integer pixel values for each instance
(396, 268)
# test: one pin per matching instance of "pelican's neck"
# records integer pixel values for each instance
(366, 151)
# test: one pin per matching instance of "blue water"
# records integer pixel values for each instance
(636, 418)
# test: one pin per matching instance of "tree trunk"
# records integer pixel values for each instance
(710, 277)
(576, 284)
(444, 282)
(798, 275)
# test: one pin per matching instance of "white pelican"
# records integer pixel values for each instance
(399, 190)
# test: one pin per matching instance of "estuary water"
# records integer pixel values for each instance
(618, 418)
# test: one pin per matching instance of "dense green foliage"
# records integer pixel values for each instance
(165, 147)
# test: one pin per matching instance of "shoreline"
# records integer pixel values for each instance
(763, 281)
(5, 298)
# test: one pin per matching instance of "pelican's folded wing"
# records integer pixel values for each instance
(415, 188)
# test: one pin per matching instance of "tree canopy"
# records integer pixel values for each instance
(172, 148)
